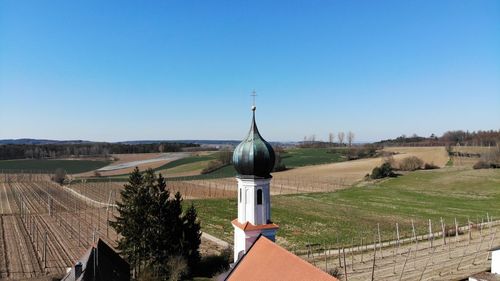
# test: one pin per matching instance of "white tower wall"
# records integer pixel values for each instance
(248, 208)
(252, 211)
(495, 261)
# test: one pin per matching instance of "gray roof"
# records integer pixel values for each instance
(100, 263)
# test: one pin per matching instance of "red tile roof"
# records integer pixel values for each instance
(249, 226)
(266, 260)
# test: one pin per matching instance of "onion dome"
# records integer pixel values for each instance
(254, 156)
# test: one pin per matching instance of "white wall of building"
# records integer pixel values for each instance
(495, 261)
(248, 209)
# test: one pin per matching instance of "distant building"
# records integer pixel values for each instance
(100, 263)
(256, 257)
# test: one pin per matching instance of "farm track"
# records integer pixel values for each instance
(43, 219)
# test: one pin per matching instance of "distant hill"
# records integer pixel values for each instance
(28, 141)
(200, 142)
(41, 141)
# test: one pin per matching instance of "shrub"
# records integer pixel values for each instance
(449, 149)
(59, 176)
(365, 151)
(490, 160)
(388, 158)
(177, 267)
(411, 163)
(213, 265)
(336, 272)
(384, 171)
(430, 166)
(485, 165)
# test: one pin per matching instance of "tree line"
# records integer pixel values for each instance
(340, 140)
(458, 137)
(52, 151)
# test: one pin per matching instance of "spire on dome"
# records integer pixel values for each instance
(254, 156)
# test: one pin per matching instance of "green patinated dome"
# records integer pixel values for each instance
(254, 156)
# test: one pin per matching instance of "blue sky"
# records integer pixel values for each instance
(128, 70)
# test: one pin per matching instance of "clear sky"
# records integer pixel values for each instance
(130, 70)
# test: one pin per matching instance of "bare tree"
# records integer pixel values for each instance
(350, 138)
(331, 138)
(340, 137)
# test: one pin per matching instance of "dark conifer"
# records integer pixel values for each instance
(192, 236)
(128, 224)
(154, 230)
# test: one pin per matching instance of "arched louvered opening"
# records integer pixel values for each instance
(259, 196)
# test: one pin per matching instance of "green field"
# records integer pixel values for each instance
(354, 213)
(45, 166)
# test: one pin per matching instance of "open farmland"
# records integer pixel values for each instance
(350, 172)
(105, 192)
(299, 157)
(320, 177)
(49, 166)
(126, 163)
(45, 229)
(177, 167)
(355, 212)
(306, 210)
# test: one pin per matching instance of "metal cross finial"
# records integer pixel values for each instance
(254, 94)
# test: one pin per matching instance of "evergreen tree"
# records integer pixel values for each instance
(192, 236)
(129, 224)
(154, 229)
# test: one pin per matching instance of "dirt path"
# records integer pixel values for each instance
(88, 199)
(215, 240)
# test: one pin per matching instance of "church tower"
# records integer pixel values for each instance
(253, 159)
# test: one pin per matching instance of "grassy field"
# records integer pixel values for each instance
(354, 213)
(70, 166)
